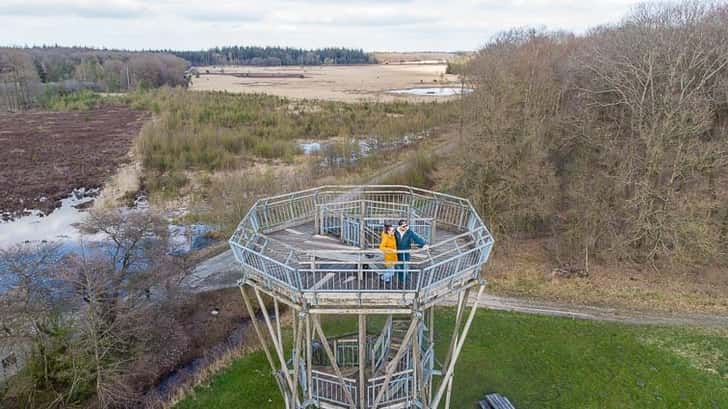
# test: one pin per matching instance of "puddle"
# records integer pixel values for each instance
(432, 92)
(309, 148)
(56, 226)
(186, 238)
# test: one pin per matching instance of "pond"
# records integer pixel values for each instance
(60, 227)
(432, 91)
(36, 227)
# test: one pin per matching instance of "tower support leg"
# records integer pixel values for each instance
(432, 342)
(263, 342)
(416, 365)
(458, 349)
(362, 361)
(277, 344)
(309, 358)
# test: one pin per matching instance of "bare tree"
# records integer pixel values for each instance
(117, 292)
(656, 74)
(33, 326)
(26, 305)
(611, 144)
(19, 81)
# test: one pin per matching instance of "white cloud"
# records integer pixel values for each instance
(371, 15)
(368, 24)
(219, 15)
(78, 8)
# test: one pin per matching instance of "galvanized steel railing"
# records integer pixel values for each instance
(326, 387)
(357, 270)
(398, 389)
(381, 346)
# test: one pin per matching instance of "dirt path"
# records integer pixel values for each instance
(445, 144)
(221, 272)
(556, 309)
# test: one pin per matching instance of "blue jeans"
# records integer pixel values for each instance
(388, 274)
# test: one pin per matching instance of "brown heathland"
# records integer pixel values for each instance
(46, 155)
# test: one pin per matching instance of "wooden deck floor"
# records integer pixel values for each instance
(333, 268)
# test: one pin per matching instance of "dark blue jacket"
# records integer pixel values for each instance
(405, 243)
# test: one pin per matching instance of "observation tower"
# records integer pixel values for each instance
(317, 252)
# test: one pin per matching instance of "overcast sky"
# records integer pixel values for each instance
(405, 25)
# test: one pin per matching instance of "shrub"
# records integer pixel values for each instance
(82, 100)
(215, 130)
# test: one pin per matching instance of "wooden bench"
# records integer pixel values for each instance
(496, 401)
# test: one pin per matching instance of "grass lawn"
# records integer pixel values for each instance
(540, 362)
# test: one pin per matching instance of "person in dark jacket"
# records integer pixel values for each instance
(405, 237)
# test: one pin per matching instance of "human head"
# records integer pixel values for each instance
(403, 224)
(388, 227)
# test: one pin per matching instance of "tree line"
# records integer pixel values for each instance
(273, 56)
(612, 145)
(29, 76)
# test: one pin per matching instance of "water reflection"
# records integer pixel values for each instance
(56, 226)
(433, 91)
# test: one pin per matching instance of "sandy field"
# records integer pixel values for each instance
(349, 83)
(394, 57)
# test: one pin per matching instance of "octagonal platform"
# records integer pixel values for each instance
(319, 247)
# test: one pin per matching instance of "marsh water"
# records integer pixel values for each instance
(338, 153)
(58, 226)
(432, 91)
(61, 229)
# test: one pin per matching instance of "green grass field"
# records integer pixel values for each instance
(540, 362)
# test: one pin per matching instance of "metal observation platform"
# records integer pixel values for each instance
(317, 252)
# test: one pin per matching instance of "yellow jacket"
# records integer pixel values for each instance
(389, 248)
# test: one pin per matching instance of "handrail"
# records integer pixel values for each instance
(407, 189)
(285, 263)
(381, 377)
(328, 387)
(328, 375)
(369, 251)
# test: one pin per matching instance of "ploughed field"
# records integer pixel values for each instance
(44, 156)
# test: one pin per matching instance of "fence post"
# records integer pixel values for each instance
(316, 220)
(342, 235)
(362, 360)
(362, 213)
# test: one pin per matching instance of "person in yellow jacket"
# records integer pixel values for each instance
(389, 248)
